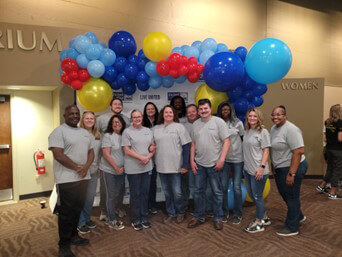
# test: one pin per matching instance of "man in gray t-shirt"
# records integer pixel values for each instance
(210, 144)
(73, 153)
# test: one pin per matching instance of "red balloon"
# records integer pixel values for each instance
(183, 70)
(192, 68)
(192, 60)
(65, 79)
(76, 84)
(72, 75)
(174, 61)
(174, 74)
(184, 60)
(200, 68)
(193, 77)
(163, 68)
(69, 65)
(83, 75)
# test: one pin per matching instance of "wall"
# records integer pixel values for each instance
(332, 95)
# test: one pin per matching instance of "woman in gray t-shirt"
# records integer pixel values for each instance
(256, 144)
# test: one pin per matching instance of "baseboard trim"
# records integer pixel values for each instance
(35, 195)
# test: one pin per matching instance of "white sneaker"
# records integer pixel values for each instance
(115, 224)
(103, 217)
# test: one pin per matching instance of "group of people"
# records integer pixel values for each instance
(193, 152)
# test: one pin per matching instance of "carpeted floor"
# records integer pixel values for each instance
(28, 230)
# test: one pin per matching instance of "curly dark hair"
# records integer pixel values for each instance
(110, 124)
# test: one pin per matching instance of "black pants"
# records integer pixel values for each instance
(72, 197)
(334, 167)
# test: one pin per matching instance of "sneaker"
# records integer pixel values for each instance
(115, 224)
(64, 251)
(254, 227)
(84, 229)
(334, 197)
(236, 220)
(322, 190)
(180, 219)
(218, 224)
(146, 224)
(286, 232)
(77, 240)
(266, 221)
(168, 220)
(137, 226)
(103, 217)
(91, 224)
(121, 213)
(210, 214)
(303, 219)
(153, 210)
(225, 218)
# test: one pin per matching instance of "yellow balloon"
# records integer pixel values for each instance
(95, 95)
(264, 194)
(215, 97)
(157, 46)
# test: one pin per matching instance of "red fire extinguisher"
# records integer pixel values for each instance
(39, 161)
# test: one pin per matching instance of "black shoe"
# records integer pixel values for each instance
(153, 210)
(77, 240)
(137, 226)
(65, 252)
(84, 229)
(146, 224)
(91, 224)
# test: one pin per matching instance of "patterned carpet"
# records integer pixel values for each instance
(28, 230)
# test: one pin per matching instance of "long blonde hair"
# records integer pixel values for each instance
(335, 114)
(93, 130)
(259, 114)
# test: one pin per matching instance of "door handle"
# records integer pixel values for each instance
(5, 146)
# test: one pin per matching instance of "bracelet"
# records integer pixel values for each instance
(291, 174)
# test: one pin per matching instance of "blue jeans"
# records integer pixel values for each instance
(89, 201)
(255, 189)
(191, 183)
(174, 201)
(291, 194)
(139, 186)
(237, 170)
(213, 176)
(152, 203)
(114, 185)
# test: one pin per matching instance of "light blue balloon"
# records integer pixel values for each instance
(72, 43)
(197, 44)
(92, 37)
(103, 45)
(184, 47)
(155, 82)
(168, 82)
(72, 53)
(81, 43)
(63, 55)
(177, 50)
(96, 68)
(108, 57)
(93, 51)
(222, 48)
(205, 55)
(180, 80)
(268, 61)
(209, 44)
(191, 52)
(82, 61)
(151, 69)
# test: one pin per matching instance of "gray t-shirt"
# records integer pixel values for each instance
(208, 137)
(114, 142)
(236, 131)
(76, 142)
(253, 144)
(139, 140)
(97, 148)
(169, 141)
(284, 139)
(188, 126)
(102, 121)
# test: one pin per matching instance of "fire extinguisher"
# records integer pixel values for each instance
(38, 158)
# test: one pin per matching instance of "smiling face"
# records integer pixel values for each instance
(72, 116)
(116, 125)
(88, 120)
(168, 115)
(278, 117)
(204, 111)
(116, 106)
(178, 104)
(191, 114)
(150, 110)
(225, 112)
(136, 119)
(252, 119)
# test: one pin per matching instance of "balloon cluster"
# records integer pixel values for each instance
(72, 75)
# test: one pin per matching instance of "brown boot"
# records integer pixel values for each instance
(218, 224)
(180, 219)
(194, 222)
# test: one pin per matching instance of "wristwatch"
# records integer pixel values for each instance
(263, 166)
(292, 174)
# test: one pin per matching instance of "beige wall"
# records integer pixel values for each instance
(332, 95)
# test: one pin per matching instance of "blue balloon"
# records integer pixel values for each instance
(81, 43)
(141, 54)
(143, 86)
(72, 53)
(259, 89)
(122, 43)
(63, 55)
(222, 48)
(241, 105)
(151, 69)
(250, 106)
(93, 51)
(180, 80)
(155, 82)
(184, 47)
(268, 61)
(109, 74)
(142, 77)
(82, 61)
(96, 68)
(191, 52)
(177, 50)
(223, 71)
(103, 45)
(242, 117)
(72, 43)
(141, 63)
(129, 89)
(120, 64)
(108, 57)
(230, 194)
(131, 71)
(168, 82)
(248, 95)
(133, 59)
(197, 44)
(122, 80)
(205, 55)
(235, 94)
(114, 85)
(247, 83)
(258, 101)
(241, 52)
(92, 37)
(209, 44)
